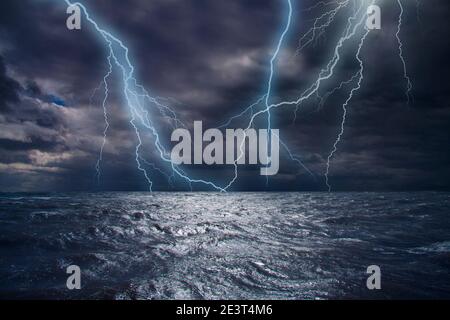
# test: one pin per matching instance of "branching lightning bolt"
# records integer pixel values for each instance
(105, 115)
(344, 108)
(133, 92)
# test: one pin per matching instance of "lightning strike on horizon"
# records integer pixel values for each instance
(358, 86)
(133, 91)
(344, 109)
(105, 115)
(271, 75)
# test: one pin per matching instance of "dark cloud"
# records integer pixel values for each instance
(211, 59)
(9, 88)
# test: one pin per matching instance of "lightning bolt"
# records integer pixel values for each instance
(105, 115)
(271, 76)
(133, 93)
(358, 86)
(400, 53)
(344, 108)
(320, 24)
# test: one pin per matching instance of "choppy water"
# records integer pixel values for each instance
(237, 245)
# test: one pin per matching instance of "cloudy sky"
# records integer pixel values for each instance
(209, 60)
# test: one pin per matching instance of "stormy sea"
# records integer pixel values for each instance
(225, 246)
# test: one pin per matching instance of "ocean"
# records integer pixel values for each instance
(225, 246)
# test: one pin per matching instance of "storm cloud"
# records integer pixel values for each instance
(211, 59)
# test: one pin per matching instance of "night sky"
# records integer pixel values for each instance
(210, 59)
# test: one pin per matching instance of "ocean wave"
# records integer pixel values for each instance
(213, 245)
